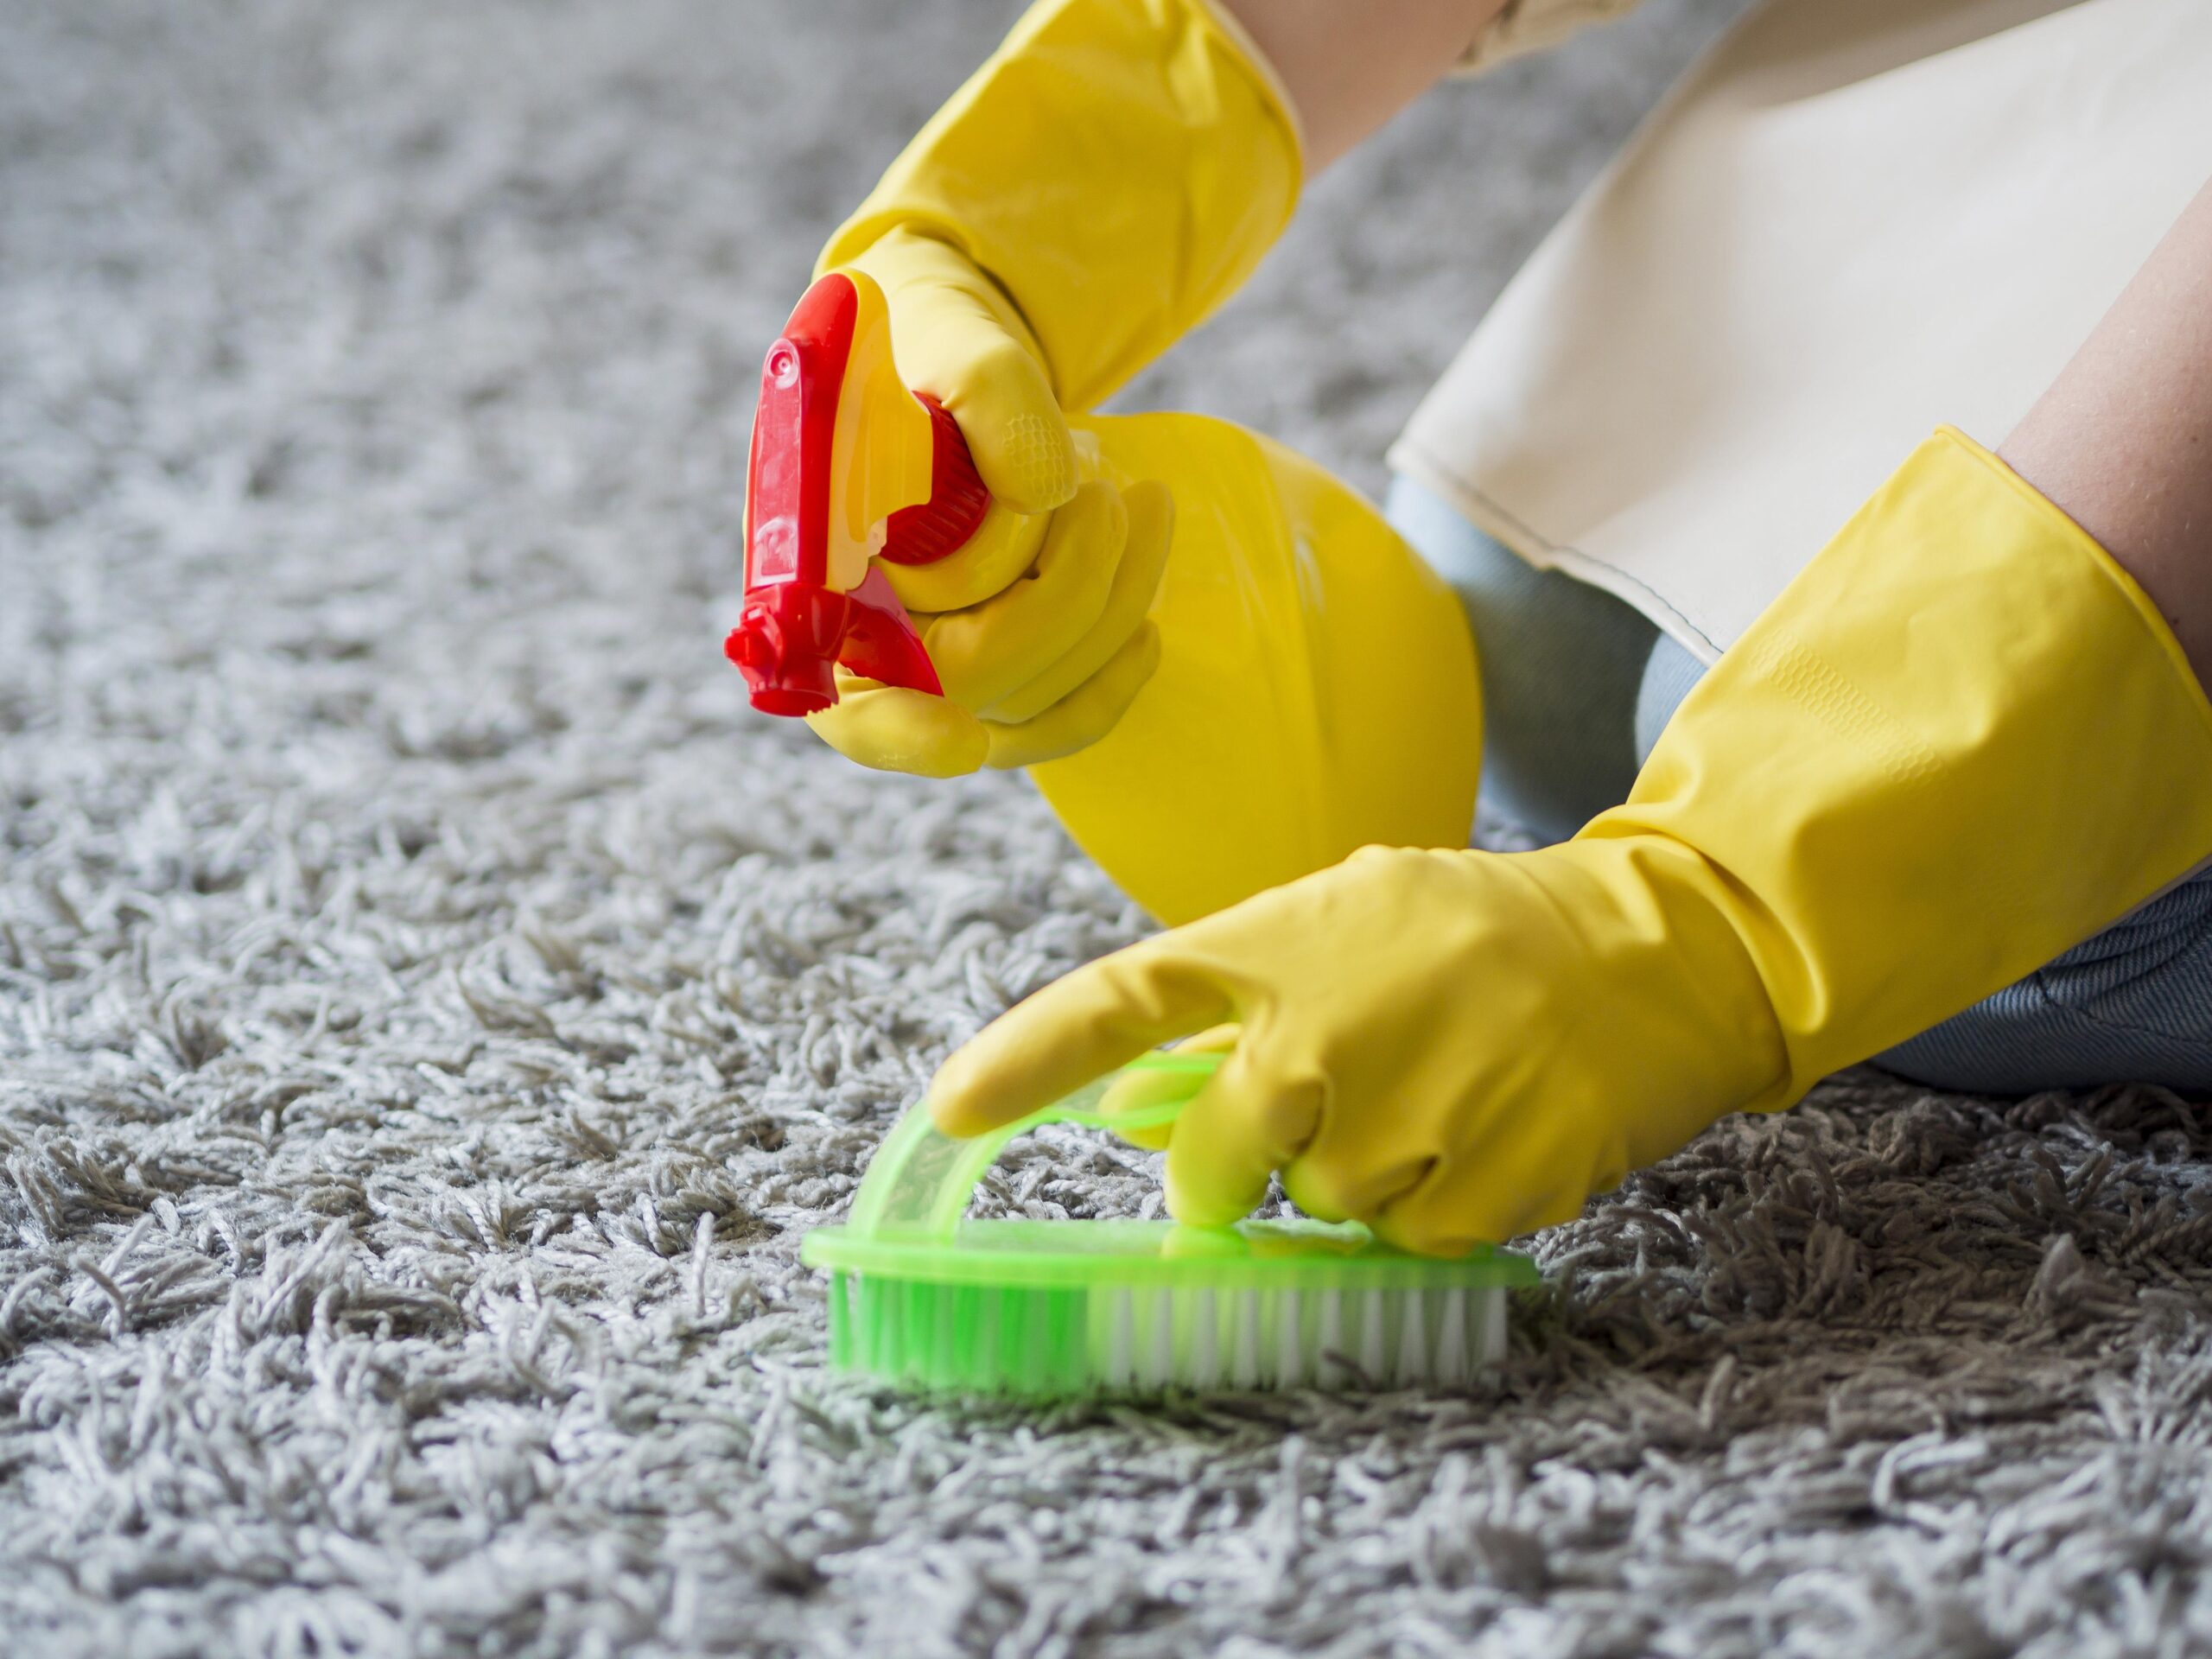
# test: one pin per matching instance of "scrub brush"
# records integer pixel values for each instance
(921, 1297)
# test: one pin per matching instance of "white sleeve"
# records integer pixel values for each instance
(1527, 26)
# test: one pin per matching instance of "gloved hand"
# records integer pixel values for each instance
(1961, 741)
(1019, 239)
(1043, 667)
(957, 338)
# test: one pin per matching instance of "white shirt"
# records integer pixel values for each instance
(1852, 220)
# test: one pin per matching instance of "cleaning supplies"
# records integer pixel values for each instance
(1960, 742)
(846, 465)
(858, 488)
(919, 1296)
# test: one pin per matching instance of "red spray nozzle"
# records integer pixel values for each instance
(784, 643)
(846, 463)
(790, 634)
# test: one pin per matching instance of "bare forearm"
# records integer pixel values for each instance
(2122, 442)
(1350, 64)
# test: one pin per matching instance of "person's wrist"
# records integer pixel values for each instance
(1673, 981)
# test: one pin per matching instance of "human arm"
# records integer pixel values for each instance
(2122, 441)
(1348, 65)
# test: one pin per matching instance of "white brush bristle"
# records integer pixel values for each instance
(1142, 1339)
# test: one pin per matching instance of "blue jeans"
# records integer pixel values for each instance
(1577, 686)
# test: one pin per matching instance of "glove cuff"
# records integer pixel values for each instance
(1960, 742)
(1117, 169)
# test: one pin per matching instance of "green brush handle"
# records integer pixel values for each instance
(919, 1181)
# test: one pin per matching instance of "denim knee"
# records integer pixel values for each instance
(2131, 1005)
(1668, 674)
(1560, 663)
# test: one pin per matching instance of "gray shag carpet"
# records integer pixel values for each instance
(432, 1010)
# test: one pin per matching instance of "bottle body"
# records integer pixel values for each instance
(1316, 693)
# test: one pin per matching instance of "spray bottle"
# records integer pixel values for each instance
(846, 465)
(1316, 689)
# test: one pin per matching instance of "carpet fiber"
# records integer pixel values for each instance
(432, 1010)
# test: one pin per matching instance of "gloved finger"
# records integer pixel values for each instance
(1092, 1021)
(1247, 1122)
(1150, 513)
(989, 650)
(1007, 411)
(1415, 1238)
(1450, 1226)
(892, 728)
(1003, 548)
(1533, 1169)
(1135, 1090)
(1082, 718)
(998, 555)
(1358, 1188)
(1412, 1227)
(958, 338)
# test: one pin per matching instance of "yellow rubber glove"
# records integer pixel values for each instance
(1106, 178)
(1040, 670)
(1961, 741)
